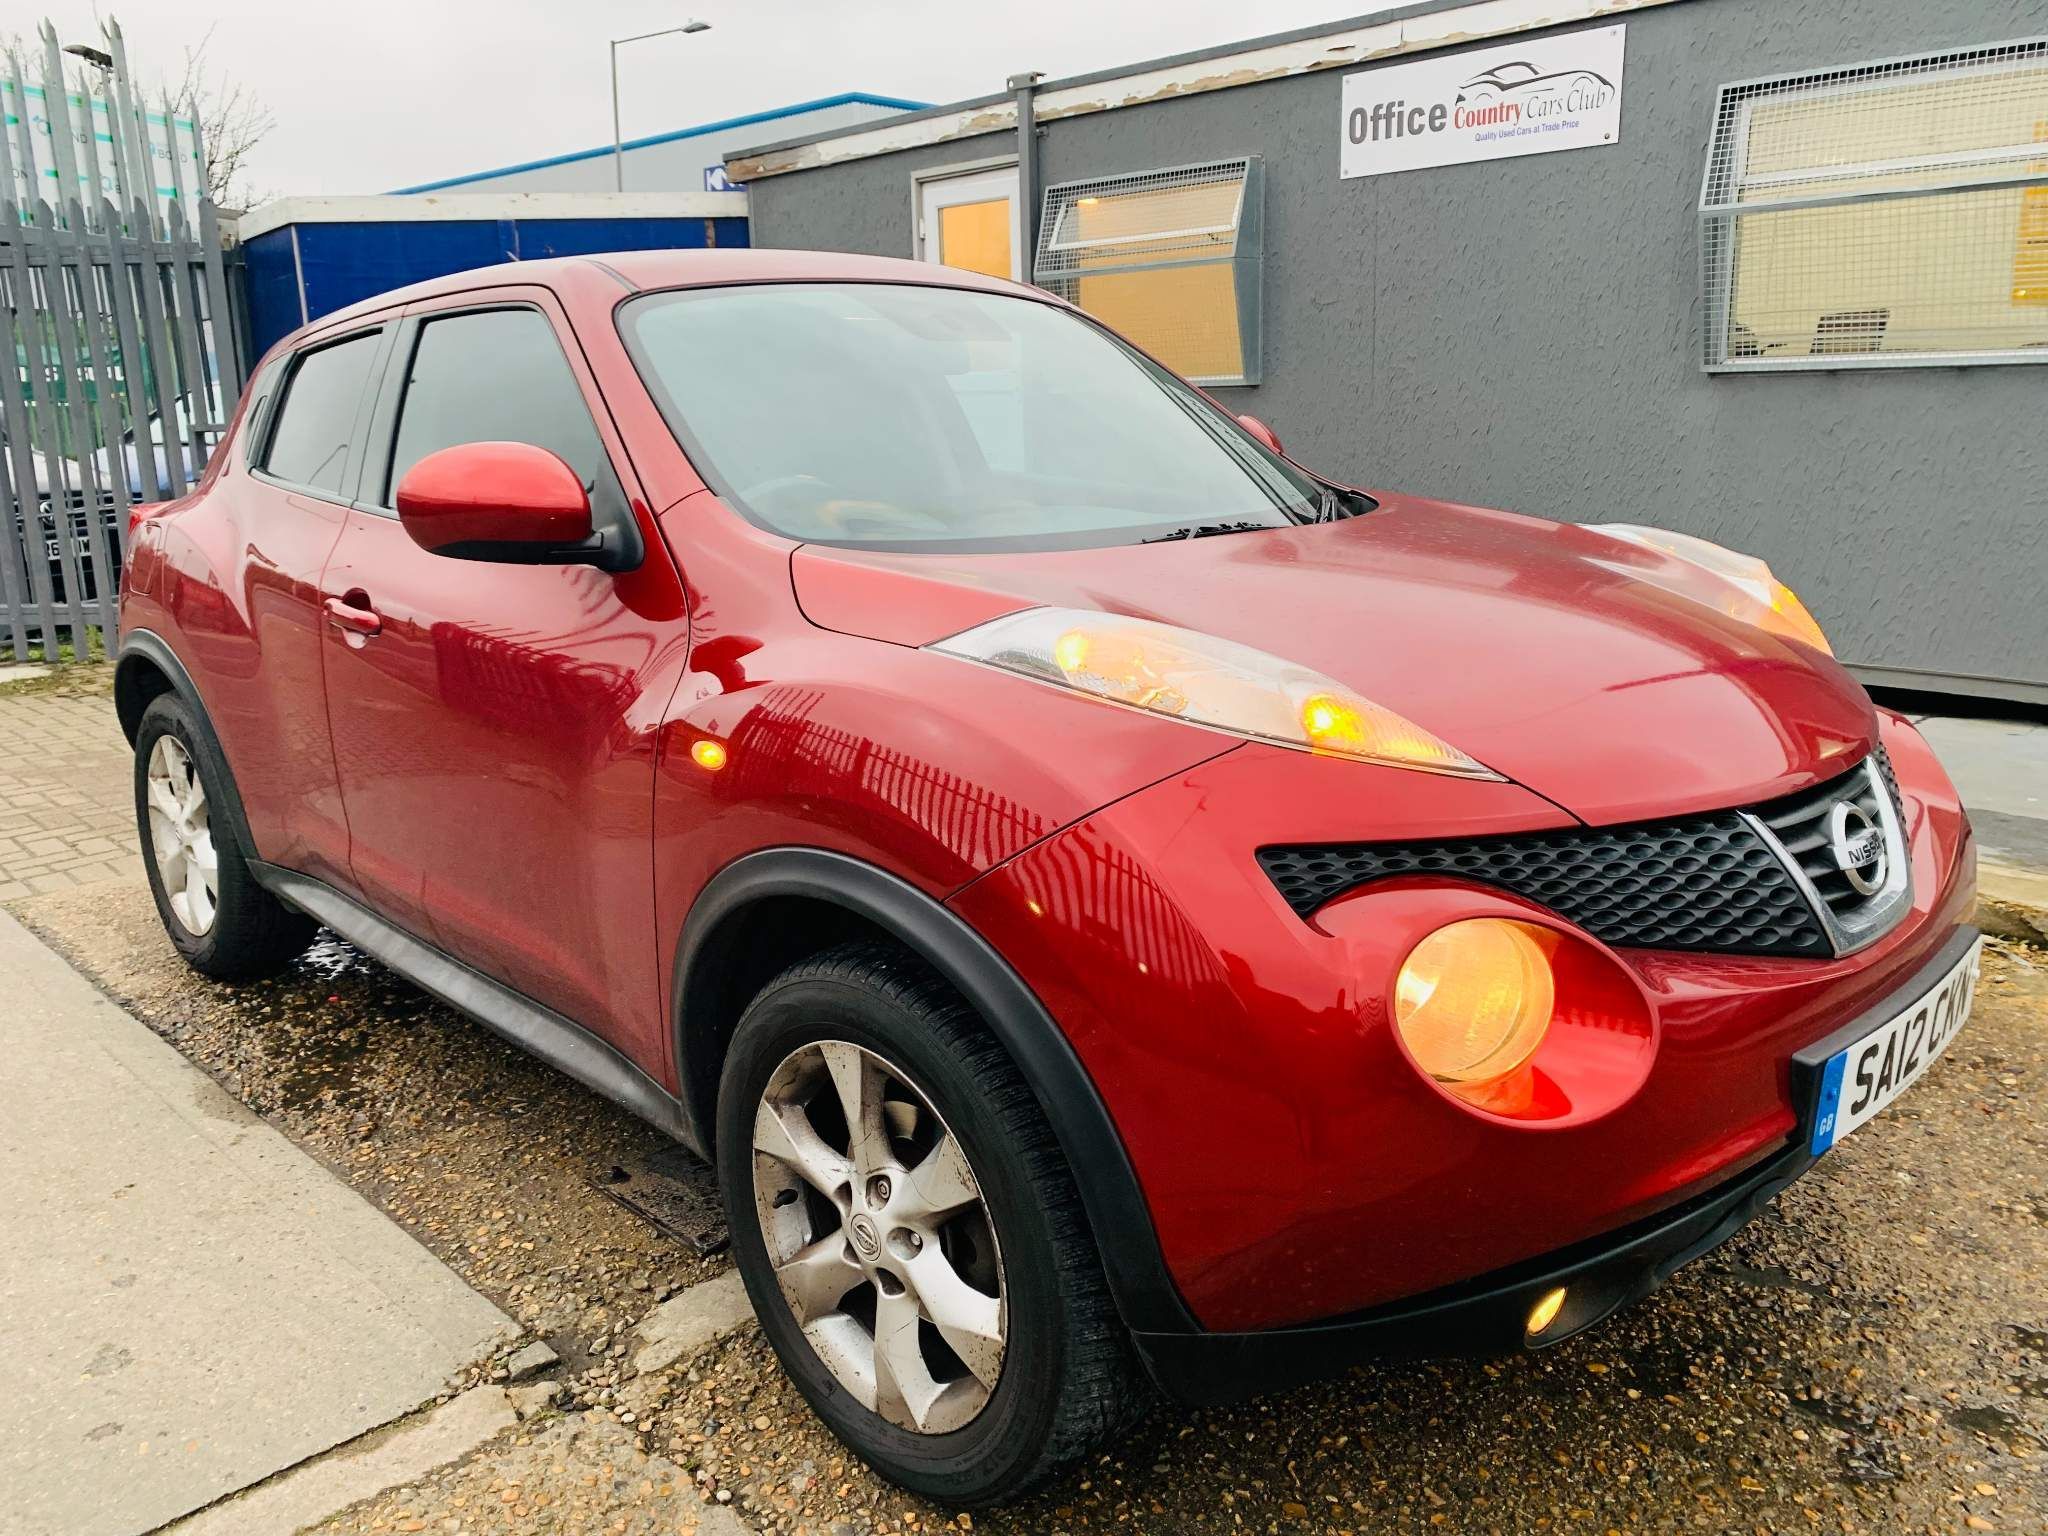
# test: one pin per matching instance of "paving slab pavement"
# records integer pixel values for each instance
(67, 806)
(2000, 767)
(188, 1302)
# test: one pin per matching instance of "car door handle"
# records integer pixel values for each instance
(354, 614)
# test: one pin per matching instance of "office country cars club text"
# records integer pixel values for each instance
(1397, 119)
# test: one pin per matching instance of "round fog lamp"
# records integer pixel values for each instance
(1544, 1313)
(1474, 999)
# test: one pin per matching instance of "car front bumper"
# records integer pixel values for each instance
(1488, 1315)
(1294, 1165)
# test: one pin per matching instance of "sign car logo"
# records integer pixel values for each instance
(1485, 104)
(1858, 845)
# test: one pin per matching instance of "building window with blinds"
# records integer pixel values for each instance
(1169, 258)
(1880, 215)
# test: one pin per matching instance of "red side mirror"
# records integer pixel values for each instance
(1261, 431)
(495, 501)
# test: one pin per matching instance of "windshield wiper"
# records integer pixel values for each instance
(1330, 506)
(1203, 531)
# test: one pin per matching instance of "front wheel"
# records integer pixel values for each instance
(911, 1236)
(223, 923)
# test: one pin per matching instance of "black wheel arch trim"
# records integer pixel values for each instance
(1146, 1296)
(145, 646)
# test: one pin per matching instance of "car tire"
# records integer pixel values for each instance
(1065, 1380)
(234, 929)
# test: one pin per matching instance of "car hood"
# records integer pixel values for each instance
(1539, 648)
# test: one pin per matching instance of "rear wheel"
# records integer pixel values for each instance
(910, 1234)
(220, 919)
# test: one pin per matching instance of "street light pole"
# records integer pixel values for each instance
(618, 143)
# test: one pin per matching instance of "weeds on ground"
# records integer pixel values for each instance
(72, 680)
(67, 650)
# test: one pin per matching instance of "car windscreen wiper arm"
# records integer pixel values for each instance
(1330, 506)
(1203, 531)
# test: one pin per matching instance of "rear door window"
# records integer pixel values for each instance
(316, 420)
(262, 399)
(496, 375)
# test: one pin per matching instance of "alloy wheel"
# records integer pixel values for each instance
(181, 836)
(879, 1236)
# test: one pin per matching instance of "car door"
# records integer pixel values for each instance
(247, 606)
(495, 762)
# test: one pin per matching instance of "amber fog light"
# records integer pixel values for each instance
(1474, 1000)
(1544, 1313)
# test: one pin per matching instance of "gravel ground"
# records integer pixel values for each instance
(1870, 1355)
(575, 1474)
(93, 680)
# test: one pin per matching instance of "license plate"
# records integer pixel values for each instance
(81, 550)
(1860, 1080)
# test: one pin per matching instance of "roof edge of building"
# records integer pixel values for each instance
(1367, 39)
(394, 208)
(746, 119)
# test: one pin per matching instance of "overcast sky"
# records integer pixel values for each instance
(375, 94)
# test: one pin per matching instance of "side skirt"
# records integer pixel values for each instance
(560, 1042)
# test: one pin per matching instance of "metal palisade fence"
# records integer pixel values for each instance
(114, 313)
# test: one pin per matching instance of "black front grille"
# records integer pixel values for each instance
(1891, 778)
(1802, 824)
(1708, 882)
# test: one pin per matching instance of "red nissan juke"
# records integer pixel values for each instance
(1112, 904)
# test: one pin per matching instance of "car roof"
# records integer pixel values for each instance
(642, 271)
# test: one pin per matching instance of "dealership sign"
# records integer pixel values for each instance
(1485, 104)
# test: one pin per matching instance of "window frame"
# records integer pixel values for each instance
(1053, 242)
(937, 180)
(1246, 259)
(381, 497)
(1718, 220)
(380, 436)
(280, 394)
(256, 429)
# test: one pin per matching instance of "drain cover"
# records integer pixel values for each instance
(674, 1193)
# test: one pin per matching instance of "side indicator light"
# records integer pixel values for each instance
(1544, 1313)
(708, 755)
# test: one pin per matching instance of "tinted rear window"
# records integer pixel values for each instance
(310, 445)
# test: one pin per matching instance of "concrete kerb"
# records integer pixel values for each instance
(692, 1321)
(324, 1485)
(396, 1454)
(2013, 903)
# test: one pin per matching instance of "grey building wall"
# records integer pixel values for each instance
(1525, 333)
(867, 206)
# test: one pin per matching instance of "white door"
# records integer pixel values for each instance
(971, 222)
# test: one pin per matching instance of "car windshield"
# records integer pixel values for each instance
(924, 418)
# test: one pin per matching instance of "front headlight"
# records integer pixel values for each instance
(1748, 590)
(1205, 681)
